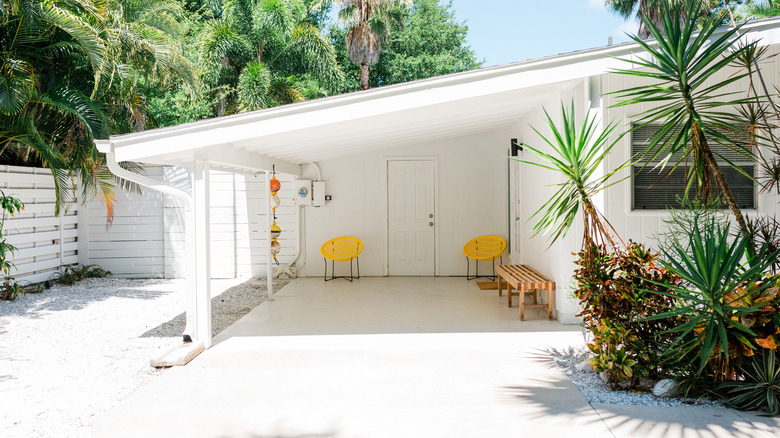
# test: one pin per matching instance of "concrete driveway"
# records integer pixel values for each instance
(393, 357)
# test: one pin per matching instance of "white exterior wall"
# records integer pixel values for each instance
(472, 200)
(238, 236)
(538, 185)
(643, 226)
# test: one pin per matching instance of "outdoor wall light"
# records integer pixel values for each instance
(516, 147)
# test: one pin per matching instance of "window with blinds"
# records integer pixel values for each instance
(654, 189)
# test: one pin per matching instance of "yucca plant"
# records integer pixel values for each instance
(577, 153)
(761, 387)
(709, 307)
(690, 101)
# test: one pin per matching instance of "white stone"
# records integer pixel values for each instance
(663, 387)
(584, 367)
(604, 377)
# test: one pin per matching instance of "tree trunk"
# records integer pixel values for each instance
(364, 71)
(222, 102)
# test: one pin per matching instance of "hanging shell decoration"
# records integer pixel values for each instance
(275, 185)
(275, 230)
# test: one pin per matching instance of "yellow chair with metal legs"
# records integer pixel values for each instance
(485, 248)
(342, 249)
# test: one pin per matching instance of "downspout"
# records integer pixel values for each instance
(106, 148)
(298, 218)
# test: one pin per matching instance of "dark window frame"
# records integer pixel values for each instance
(669, 187)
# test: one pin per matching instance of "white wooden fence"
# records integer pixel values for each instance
(146, 239)
(43, 241)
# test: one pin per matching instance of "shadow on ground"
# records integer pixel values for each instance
(83, 294)
(226, 308)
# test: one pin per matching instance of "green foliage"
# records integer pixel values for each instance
(614, 292)
(680, 223)
(692, 107)
(69, 275)
(10, 288)
(578, 154)
(430, 43)
(760, 388)
(713, 303)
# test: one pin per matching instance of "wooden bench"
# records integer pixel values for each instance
(526, 281)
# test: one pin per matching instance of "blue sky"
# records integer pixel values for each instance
(504, 31)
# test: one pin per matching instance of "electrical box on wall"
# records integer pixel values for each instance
(302, 193)
(319, 193)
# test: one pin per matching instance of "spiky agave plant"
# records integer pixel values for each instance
(761, 387)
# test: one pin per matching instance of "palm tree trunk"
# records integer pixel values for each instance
(222, 103)
(365, 69)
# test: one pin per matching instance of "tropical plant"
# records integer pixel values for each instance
(689, 99)
(369, 23)
(260, 49)
(430, 43)
(613, 293)
(763, 9)
(577, 154)
(67, 83)
(715, 300)
(643, 10)
(69, 275)
(760, 388)
(9, 288)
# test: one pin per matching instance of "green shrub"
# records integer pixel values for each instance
(616, 297)
(9, 288)
(69, 275)
(760, 386)
(723, 304)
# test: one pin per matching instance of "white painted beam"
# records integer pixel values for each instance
(202, 214)
(249, 162)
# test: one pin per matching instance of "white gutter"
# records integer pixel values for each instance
(190, 329)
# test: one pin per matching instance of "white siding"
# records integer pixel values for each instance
(43, 241)
(132, 246)
(238, 236)
(644, 226)
(472, 200)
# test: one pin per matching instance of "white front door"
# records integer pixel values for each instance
(410, 217)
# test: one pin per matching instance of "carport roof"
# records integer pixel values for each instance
(390, 116)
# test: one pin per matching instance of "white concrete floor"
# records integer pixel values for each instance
(392, 357)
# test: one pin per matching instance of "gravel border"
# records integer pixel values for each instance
(596, 391)
(71, 353)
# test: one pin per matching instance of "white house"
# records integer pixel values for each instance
(414, 170)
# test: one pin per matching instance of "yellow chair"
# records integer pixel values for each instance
(341, 249)
(485, 248)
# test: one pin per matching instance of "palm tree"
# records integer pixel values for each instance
(683, 67)
(65, 80)
(763, 9)
(644, 10)
(261, 48)
(369, 23)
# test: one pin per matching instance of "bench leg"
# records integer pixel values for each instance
(549, 304)
(499, 286)
(522, 310)
(508, 294)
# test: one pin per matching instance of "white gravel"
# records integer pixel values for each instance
(596, 391)
(70, 353)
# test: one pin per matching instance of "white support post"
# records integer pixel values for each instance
(269, 269)
(202, 237)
